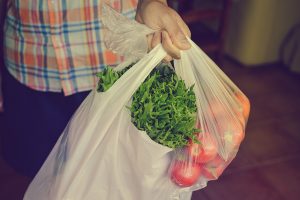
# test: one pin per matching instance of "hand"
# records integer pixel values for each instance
(171, 29)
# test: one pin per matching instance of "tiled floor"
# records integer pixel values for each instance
(267, 165)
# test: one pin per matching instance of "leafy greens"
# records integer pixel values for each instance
(162, 106)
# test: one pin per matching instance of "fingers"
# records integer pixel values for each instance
(169, 47)
(164, 38)
(149, 41)
(177, 31)
(167, 59)
(173, 31)
(156, 39)
(173, 39)
(185, 29)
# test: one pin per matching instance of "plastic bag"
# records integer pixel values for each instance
(125, 37)
(102, 155)
(223, 112)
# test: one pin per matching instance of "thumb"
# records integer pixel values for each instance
(177, 36)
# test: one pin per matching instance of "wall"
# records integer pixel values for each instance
(257, 28)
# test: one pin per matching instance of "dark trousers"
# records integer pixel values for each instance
(33, 122)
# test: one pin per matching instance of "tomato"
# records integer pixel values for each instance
(194, 150)
(209, 148)
(217, 109)
(213, 169)
(212, 173)
(234, 139)
(185, 174)
(204, 152)
(238, 137)
(220, 112)
(245, 104)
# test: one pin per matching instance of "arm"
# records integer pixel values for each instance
(171, 29)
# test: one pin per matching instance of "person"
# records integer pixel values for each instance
(53, 49)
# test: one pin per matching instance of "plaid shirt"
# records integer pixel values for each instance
(57, 45)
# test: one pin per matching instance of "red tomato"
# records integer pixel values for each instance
(238, 137)
(204, 152)
(209, 147)
(185, 174)
(217, 109)
(245, 104)
(213, 169)
(194, 150)
(234, 139)
(217, 161)
(212, 173)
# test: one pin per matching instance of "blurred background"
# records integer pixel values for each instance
(257, 44)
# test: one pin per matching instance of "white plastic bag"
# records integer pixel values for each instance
(223, 112)
(102, 155)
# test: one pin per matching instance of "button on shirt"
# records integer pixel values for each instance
(57, 45)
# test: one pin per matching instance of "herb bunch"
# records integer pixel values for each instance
(108, 76)
(162, 106)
